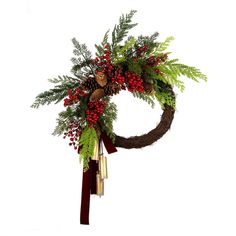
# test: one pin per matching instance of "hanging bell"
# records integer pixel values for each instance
(95, 156)
(100, 185)
(103, 167)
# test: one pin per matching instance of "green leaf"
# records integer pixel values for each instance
(87, 140)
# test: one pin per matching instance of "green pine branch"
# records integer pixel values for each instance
(80, 68)
(121, 30)
(165, 98)
(144, 96)
(107, 119)
(62, 124)
(188, 71)
(149, 41)
(63, 120)
(164, 94)
(161, 47)
(100, 48)
(122, 50)
(169, 76)
(105, 38)
(64, 79)
(172, 70)
(83, 54)
(57, 93)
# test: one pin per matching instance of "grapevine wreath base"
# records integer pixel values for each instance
(139, 65)
(152, 136)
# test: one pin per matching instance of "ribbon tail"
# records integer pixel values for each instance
(110, 147)
(85, 197)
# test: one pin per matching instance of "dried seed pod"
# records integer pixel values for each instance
(101, 79)
(97, 94)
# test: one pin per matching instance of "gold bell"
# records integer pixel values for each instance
(100, 185)
(95, 156)
(103, 167)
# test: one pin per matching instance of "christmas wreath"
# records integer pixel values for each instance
(140, 65)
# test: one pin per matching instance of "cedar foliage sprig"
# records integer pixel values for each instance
(121, 52)
(171, 71)
(145, 97)
(149, 41)
(161, 47)
(121, 30)
(56, 94)
(100, 48)
(164, 94)
(190, 72)
(65, 118)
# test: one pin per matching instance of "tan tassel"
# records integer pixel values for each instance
(96, 152)
(103, 167)
(100, 185)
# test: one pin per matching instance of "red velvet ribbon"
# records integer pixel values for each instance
(110, 147)
(89, 180)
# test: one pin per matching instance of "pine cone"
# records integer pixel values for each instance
(101, 79)
(97, 94)
(148, 88)
(112, 89)
(90, 84)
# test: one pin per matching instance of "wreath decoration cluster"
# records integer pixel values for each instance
(140, 65)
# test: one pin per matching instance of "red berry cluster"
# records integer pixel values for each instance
(153, 61)
(73, 97)
(73, 134)
(118, 78)
(104, 63)
(142, 50)
(134, 82)
(94, 111)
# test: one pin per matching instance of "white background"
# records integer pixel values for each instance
(182, 185)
